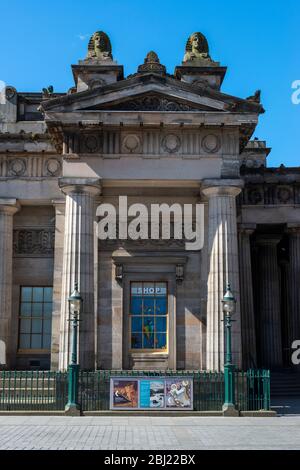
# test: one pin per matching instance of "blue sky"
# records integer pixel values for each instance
(257, 40)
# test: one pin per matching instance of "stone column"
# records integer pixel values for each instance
(8, 207)
(247, 307)
(294, 281)
(223, 268)
(269, 301)
(78, 265)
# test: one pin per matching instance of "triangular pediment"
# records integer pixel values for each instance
(149, 93)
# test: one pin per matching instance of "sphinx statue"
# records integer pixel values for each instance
(196, 49)
(99, 47)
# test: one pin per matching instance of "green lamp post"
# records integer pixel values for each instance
(75, 304)
(228, 303)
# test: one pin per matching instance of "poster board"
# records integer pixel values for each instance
(151, 393)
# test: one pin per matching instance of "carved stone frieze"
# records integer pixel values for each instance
(270, 193)
(189, 143)
(171, 244)
(36, 166)
(33, 242)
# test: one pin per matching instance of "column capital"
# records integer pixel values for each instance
(69, 185)
(246, 229)
(9, 205)
(268, 239)
(293, 229)
(221, 187)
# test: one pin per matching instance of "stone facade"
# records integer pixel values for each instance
(156, 138)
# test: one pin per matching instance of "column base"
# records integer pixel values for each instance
(72, 409)
(229, 410)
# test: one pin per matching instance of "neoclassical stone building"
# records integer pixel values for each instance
(153, 137)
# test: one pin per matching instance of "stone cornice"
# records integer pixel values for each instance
(235, 104)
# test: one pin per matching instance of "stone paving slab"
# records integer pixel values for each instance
(149, 433)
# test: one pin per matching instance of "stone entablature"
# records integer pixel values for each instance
(30, 167)
(271, 186)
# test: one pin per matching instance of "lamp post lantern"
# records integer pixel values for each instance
(228, 303)
(75, 304)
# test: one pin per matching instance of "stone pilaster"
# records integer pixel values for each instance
(269, 301)
(78, 265)
(59, 206)
(247, 307)
(294, 281)
(8, 207)
(223, 268)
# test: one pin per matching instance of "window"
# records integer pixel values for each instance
(148, 315)
(35, 318)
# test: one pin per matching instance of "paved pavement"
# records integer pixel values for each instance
(138, 432)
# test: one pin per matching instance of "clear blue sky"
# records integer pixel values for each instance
(257, 39)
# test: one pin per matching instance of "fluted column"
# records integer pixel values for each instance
(294, 281)
(223, 268)
(8, 207)
(78, 265)
(269, 301)
(247, 307)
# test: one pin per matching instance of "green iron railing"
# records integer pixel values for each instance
(33, 390)
(48, 390)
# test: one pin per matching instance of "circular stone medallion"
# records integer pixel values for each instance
(171, 143)
(211, 143)
(131, 143)
(91, 143)
(17, 167)
(53, 166)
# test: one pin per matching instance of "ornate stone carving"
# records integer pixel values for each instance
(17, 167)
(171, 143)
(119, 272)
(33, 242)
(96, 83)
(255, 196)
(179, 272)
(196, 50)
(91, 143)
(131, 143)
(255, 98)
(10, 92)
(270, 193)
(284, 194)
(99, 46)
(53, 167)
(211, 143)
(152, 64)
(153, 103)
